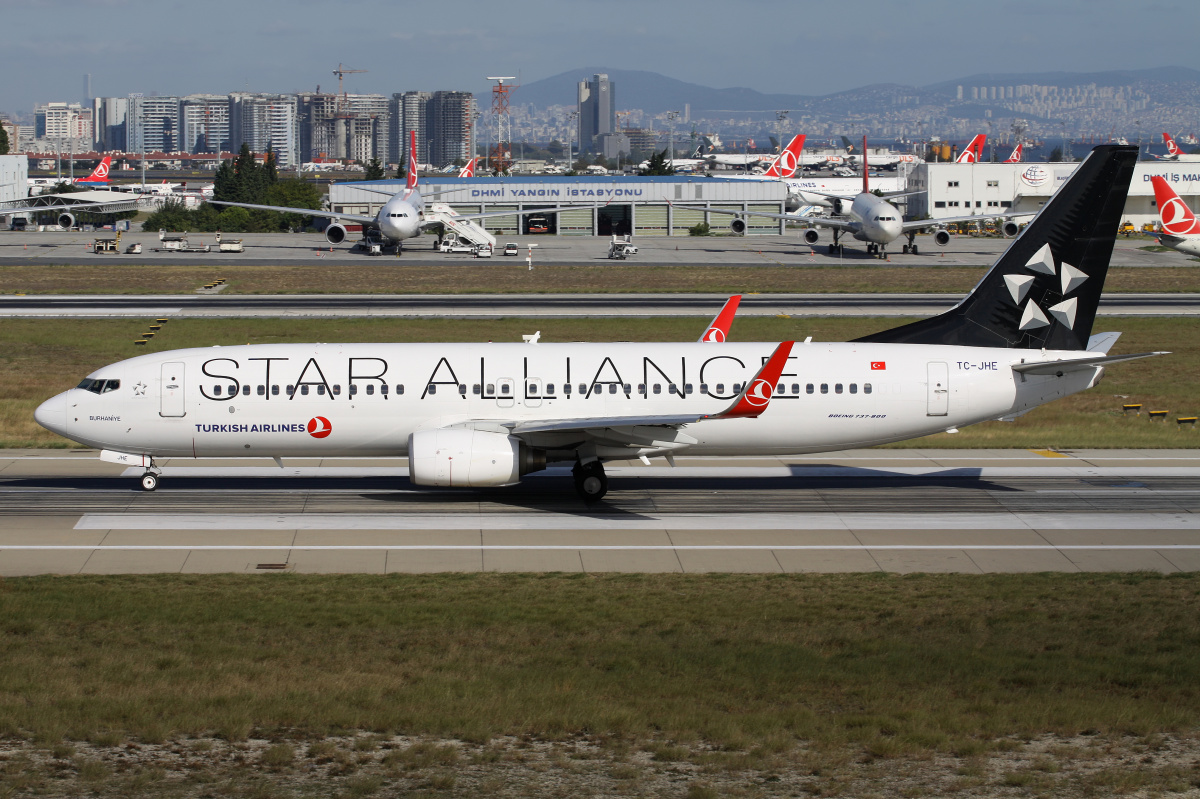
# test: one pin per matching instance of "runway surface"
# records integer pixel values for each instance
(533, 305)
(32, 248)
(869, 510)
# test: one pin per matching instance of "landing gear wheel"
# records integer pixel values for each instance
(149, 481)
(590, 481)
(834, 249)
(913, 249)
(904, 249)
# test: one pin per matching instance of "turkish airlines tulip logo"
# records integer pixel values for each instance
(787, 162)
(715, 335)
(1035, 176)
(319, 427)
(1177, 218)
(759, 393)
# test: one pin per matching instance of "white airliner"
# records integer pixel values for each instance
(401, 217)
(974, 151)
(867, 217)
(475, 415)
(782, 167)
(1174, 152)
(880, 159)
(1180, 229)
(99, 175)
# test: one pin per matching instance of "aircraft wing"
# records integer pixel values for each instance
(356, 218)
(61, 208)
(750, 403)
(816, 220)
(1076, 364)
(920, 224)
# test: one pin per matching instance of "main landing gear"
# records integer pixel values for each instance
(590, 481)
(836, 247)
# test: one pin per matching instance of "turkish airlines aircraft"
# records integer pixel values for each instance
(1181, 230)
(474, 415)
(880, 159)
(974, 152)
(468, 171)
(784, 166)
(1174, 152)
(400, 218)
(1015, 158)
(867, 217)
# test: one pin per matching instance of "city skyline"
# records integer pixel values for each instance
(274, 47)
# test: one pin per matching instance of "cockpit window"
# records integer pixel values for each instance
(99, 386)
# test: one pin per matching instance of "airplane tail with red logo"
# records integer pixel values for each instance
(974, 151)
(411, 183)
(468, 171)
(1015, 158)
(100, 173)
(1172, 147)
(1177, 218)
(788, 161)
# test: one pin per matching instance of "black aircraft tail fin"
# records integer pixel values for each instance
(1044, 290)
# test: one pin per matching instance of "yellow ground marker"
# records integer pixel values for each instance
(1049, 453)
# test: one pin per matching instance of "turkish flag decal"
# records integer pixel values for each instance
(878, 365)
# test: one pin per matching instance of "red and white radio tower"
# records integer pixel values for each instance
(500, 157)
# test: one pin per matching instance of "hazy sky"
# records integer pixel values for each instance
(172, 47)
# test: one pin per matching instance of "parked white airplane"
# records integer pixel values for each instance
(1180, 229)
(880, 159)
(784, 166)
(974, 151)
(867, 217)
(1174, 152)
(473, 415)
(400, 218)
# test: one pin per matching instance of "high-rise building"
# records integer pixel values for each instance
(345, 126)
(152, 124)
(597, 110)
(451, 118)
(68, 124)
(109, 118)
(265, 122)
(204, 123)
(409, 113)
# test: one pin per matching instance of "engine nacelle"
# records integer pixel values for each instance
(66, 221)
(839, 206)
(469, 458)
(941, 238)
(335, 234)
(1010, 228)
(811, 236)
(738, 225)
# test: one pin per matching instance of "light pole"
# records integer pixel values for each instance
(671, 117)
(780, 117)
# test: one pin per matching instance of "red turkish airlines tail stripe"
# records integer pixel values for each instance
(411, 183)
(1177, 218)
(718, 329)
(757, 394)
(1172, 147)
(468, 171)
(785, 165)
(974, 151)
(1015, 158)
(100, 173)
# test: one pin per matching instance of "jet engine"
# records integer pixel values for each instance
(1010, 229)
(469, 458)
(335, 233)
(812, 236)
(66, 221)
(941, 238)
(738, 225)
(839, 205)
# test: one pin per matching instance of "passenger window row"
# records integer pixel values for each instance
(104, 386)
(261, 390)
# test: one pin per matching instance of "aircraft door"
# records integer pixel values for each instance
(533, 392)
(505, 392)
(939, 389)
(170, 387)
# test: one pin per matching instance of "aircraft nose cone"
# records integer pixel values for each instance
(52, 414)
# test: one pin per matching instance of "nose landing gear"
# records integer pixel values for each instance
(149, 481)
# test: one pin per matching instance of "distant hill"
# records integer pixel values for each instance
(1126, 77)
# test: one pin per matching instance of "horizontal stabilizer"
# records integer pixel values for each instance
(1076, 364)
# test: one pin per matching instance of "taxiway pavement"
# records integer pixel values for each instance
(870, 510)
(31, 248)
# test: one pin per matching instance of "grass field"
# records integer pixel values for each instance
(39, 358)
(1072, 681)
(385, 277)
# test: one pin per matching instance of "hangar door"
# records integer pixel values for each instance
(614, 220)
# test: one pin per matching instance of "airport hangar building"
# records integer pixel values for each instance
(988, 189)
(607, 205)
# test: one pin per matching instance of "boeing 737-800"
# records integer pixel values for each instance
(1174, 152)
(401, 217)
(476, 415)
(1180, 228)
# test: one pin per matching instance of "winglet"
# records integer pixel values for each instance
(718, 328)
(411, 183)
(757, 394)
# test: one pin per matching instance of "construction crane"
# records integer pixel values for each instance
(341, 72)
